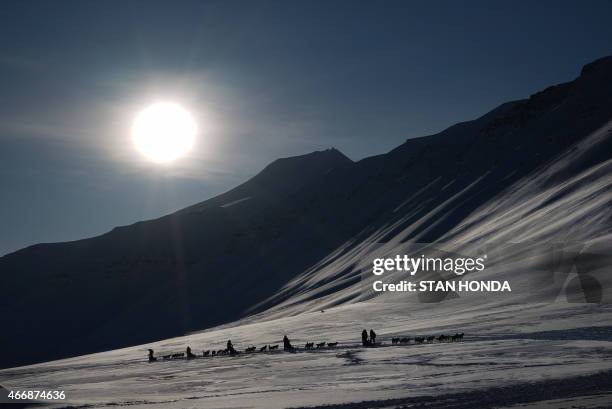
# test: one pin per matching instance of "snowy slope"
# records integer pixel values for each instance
(506, 346)
(543, 207)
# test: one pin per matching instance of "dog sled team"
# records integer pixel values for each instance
(367, 340)
(429, 339)
(230, 350)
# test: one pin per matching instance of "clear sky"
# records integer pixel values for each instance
(263, 80)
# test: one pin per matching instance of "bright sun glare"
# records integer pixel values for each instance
(164, 131)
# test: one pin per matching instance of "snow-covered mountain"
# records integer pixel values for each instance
(290, 240)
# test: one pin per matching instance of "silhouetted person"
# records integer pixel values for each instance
(372, 337)
(151, 357)
(287, 344)
(364, 338)
(189, 354)
(230, 347)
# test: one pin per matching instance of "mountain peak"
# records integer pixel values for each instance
(603, 63)
(311, 162)
(286, 174)
(332, 155)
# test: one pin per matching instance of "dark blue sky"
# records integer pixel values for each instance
(263, 79)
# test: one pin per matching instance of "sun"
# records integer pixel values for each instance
(163, 132)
